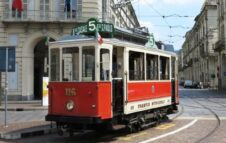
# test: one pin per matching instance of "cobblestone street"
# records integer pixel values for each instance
(196, 106)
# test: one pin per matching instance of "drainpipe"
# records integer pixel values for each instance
(219, 72)
(104, 10)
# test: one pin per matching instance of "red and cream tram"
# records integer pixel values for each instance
(94, 85)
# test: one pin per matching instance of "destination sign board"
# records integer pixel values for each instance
(93, 26)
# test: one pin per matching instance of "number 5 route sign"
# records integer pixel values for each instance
(11, 58)
(92, 26)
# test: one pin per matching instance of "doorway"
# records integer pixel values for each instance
(40, 66)
(117, 80)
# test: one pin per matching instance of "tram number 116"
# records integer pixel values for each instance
(70, 92)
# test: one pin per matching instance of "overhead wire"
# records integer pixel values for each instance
(163, 17)
(157, 12)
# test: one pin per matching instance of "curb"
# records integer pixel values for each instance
(24, 102)
(174, 116)
(24, 109)
(31, 132)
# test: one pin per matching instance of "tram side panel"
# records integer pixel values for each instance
(148, 95)
(91, 99)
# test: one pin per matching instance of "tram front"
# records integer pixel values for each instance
(79, 87)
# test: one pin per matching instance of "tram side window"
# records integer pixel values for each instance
(70, 64)
(104, 64)
(164, 68)
(55, 64)
(152, 67)
(136, 66)
(88, 64)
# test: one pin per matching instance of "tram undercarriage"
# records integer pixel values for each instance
(133, 122)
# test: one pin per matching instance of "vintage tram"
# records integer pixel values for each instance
(95, 85)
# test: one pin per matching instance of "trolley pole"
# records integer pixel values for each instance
(6, 86)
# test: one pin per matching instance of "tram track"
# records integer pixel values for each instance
(218, 108)
(212, 107)
(218, 121)
(218, 103)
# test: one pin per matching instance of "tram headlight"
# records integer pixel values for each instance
(70, 105)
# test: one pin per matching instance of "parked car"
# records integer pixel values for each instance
(181, 83)
(188, 83)
(196, 84)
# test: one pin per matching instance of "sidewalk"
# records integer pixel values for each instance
(24, 118)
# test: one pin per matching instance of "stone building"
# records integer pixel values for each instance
(199, 61)
(29, 26)
(180, 65)
(220, 47)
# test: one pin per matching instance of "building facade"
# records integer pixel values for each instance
(29, 26)
(199, 61)
(220, 47)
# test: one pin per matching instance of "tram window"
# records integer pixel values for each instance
(70, 64)
(55, 64)
(136, 66)
(164, 68)
(104, 64)
(152, 67)
(88, 64)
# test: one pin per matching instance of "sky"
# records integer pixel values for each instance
(178, 18)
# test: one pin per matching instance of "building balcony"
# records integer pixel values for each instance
(188, 64)
(204, 54)
(180, 68)
(219, 45)
(44, 16)
(196, 60)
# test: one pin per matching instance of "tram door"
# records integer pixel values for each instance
(117, 80)
(173, 79)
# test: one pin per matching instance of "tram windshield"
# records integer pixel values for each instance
(67, 65)
(88, 64)
(70, 64)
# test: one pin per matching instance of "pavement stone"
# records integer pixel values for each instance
(24, 119)
(27, 118)
(21, 130)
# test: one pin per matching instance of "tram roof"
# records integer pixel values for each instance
(75, 37)
(115, 41)
(119, 42)
(135, 35)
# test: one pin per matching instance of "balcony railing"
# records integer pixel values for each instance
(46, 16)
(220, 45)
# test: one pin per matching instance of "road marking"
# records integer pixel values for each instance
(199, 118)
(130, 137)
(170, 133)
(164, 126)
